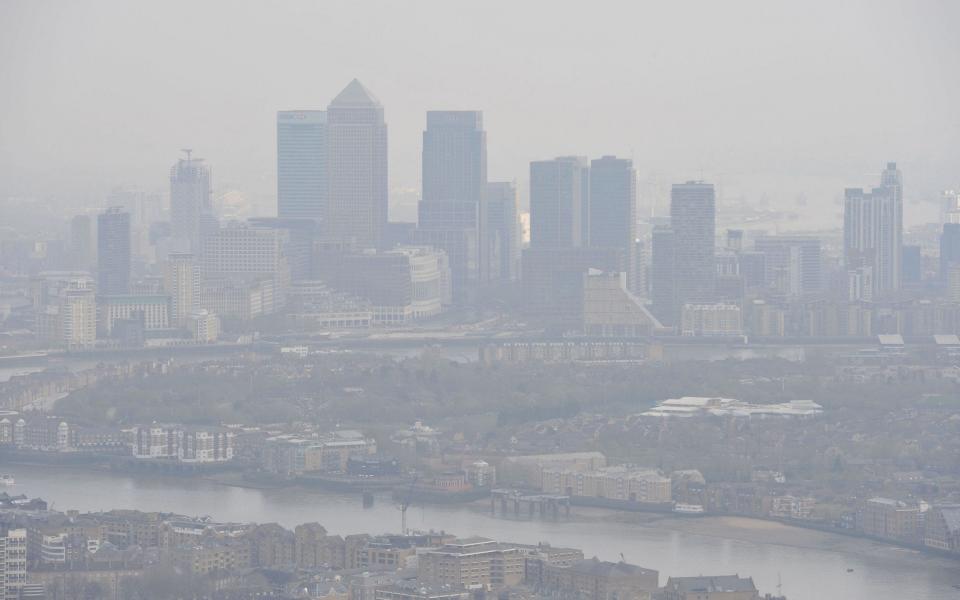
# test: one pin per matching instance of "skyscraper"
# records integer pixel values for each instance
(559, 202)
(949, 248)
(82, 246)
(613, 209)
(302, 164)
(873, 230)
(191, 206)
(503, 230)
(452, 210)
(663, 273)
(113, 252)
(181, 279)
(891, 248)
(693, 220)
(357, 168)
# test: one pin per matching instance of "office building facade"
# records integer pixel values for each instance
(663, 272)
(693, 220)
(113, 252)
(357, 168)
(452, 209)
(302, 164)
(503, 230)
(613, 210)
(559, 203)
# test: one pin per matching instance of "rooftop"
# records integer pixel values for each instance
(595, 566)
(355, 94)
(715, 583)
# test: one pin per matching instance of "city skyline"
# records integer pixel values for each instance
(666, 107)
(675, 286)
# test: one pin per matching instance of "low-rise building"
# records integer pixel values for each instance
(473, 563)
(610, 310)
(942, 528)
(203, 325)
(212, 555)
(792, 507)
(622, 482)
(594, 579)
(408, 590)
(152, 312)
(528, 470)
(720, 587)
(188, 444)
(696, 406)
(890, 519)
(710, 320)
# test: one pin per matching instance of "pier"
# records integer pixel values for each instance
(516, 503)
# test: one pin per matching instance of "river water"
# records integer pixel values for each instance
(809, 565)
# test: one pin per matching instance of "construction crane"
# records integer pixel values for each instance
(405, 504)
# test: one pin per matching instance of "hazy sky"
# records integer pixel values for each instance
(771, 99)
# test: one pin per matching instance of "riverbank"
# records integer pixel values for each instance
(808, 573)
(729, 527)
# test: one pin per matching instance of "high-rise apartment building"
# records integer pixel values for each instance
(503, 230)
(559, 202)
(357, 168)
(13, 562)
(191, 203)
(181, 279)
(873, 230)
(693, 219)
(78, 318)
(613, 209)
(113, 252)
(452, 209)
(302, 164)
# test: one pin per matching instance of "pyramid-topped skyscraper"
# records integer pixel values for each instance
(357, 172)
(356, 94)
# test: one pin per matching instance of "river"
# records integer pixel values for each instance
(810, 565)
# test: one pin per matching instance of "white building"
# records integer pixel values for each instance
(183, 443)
(696, 406)
(13, 563)
(203, 325)
(239, 299)
(153, 310)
